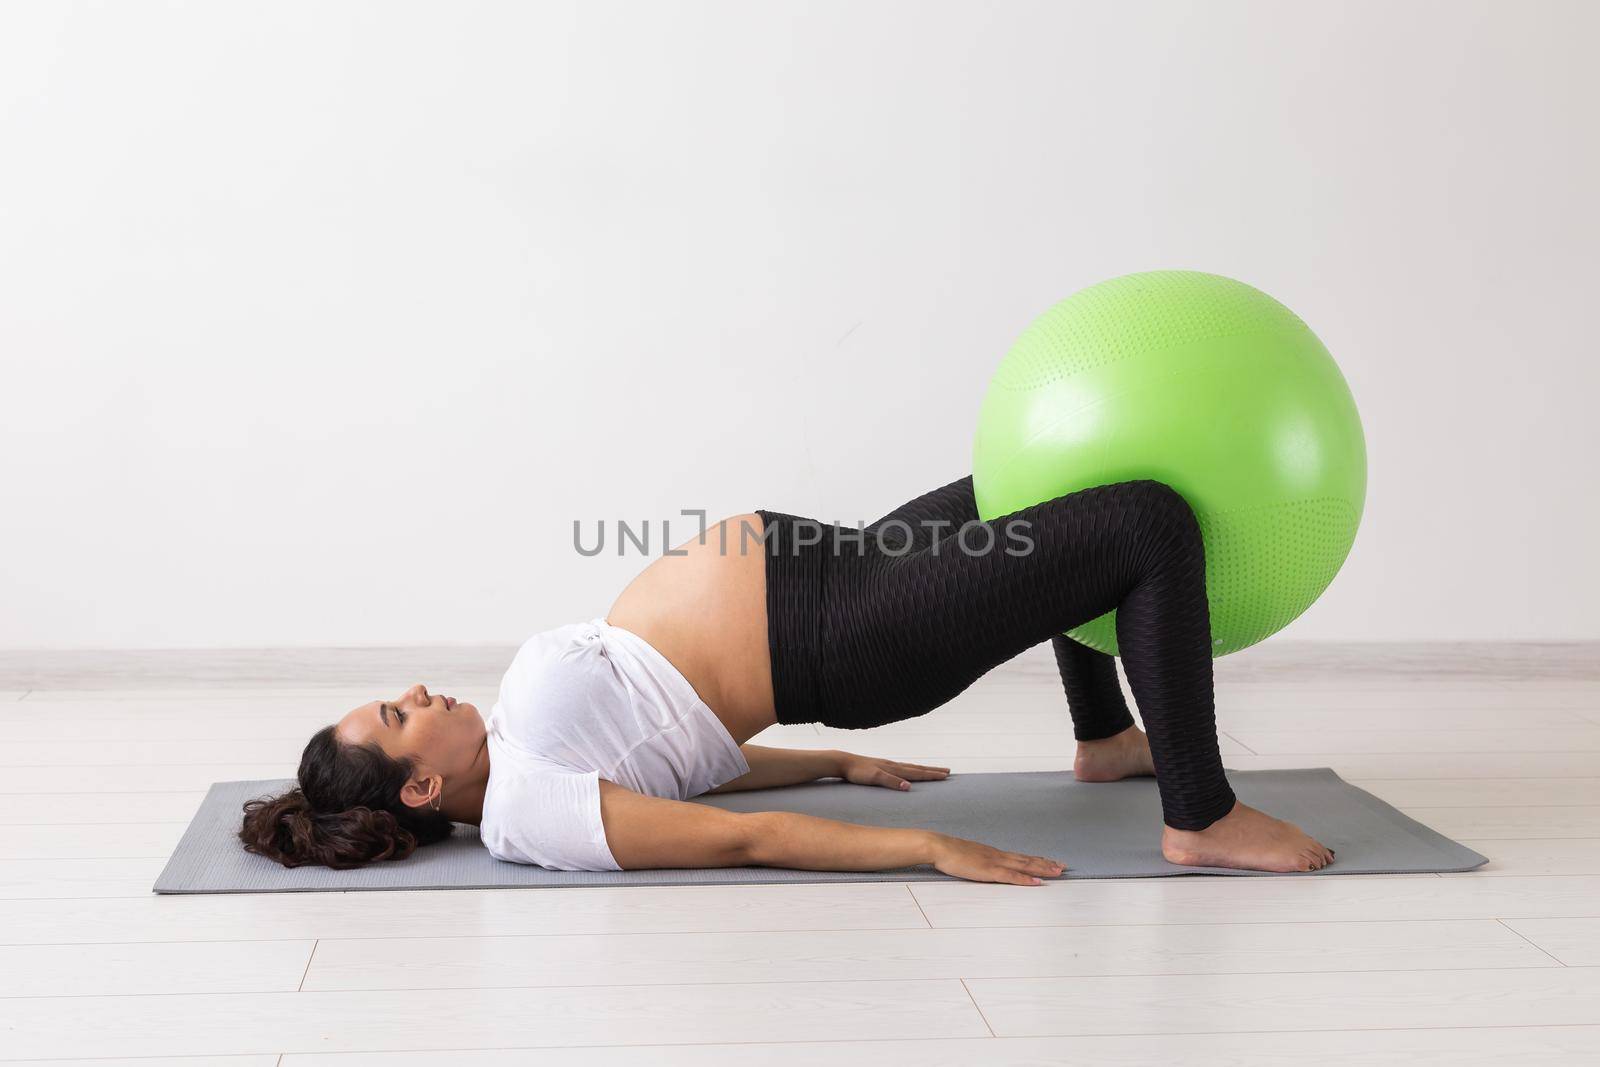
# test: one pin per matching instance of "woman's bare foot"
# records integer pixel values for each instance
(1124, 755)
(1248, 839)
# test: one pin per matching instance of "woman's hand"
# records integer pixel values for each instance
(979, 863)
(891, 774)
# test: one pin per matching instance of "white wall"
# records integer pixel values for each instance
(320, 323)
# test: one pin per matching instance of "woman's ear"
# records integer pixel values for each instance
(422, 791)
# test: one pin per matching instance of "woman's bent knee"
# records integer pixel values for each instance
(1164, 514)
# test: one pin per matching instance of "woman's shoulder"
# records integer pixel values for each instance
(544, 813)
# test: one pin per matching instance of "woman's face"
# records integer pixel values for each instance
(439, 735)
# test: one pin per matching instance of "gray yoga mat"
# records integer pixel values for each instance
(1106, 830)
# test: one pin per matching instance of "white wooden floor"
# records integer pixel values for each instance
(1501, 965)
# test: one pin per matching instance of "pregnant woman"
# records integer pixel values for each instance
(604, 729)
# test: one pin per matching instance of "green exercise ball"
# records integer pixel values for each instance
(1210, 386)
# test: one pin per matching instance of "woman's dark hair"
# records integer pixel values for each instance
(345, 812)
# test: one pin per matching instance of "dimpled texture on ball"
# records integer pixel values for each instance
(1211, 386)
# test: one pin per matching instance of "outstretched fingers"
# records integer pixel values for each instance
(897, 775)
(1028, 870)
(918, 771)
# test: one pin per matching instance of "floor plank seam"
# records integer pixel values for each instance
(197, 793)
(141, 822)
(918, 903)
(743, 983)
(309, 957)
(1532, 942)
(975, 1007)
(945, 1040)
(1296, 1030)
(1595, 914)
(76, 856)
(1510, 1027)
(921, 1040)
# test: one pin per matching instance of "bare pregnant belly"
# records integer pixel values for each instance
(706, 612)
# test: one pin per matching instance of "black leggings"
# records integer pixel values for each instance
(872, 626)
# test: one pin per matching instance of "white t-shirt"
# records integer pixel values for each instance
(583, 702)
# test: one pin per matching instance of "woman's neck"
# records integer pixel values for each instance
(463, 801)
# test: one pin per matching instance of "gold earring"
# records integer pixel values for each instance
(437, 800)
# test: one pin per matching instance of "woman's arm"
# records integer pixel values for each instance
(648, 832)
(783, 766)
(787, 766)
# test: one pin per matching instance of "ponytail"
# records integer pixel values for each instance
(345, 812)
